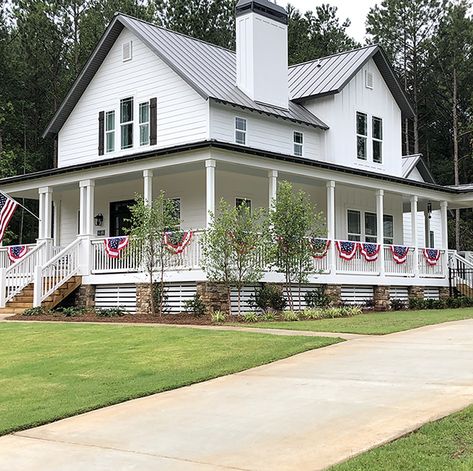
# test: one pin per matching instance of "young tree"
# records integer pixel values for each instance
(149, 222)
(292, 221)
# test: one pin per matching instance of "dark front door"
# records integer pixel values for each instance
(119, 217)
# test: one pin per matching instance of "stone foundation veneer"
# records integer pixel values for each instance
(416, 292)
(213, 295)
(85, 296)
(444, 292)
(381, 298)
(334, 292)
(143, 298)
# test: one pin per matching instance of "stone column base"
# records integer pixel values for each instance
(381, 298)
(85, 297)
(143, 299)
(334, 292)
(444, 292)
(416, 292)
(214, 296)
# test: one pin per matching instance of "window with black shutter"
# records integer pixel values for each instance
(153, 121)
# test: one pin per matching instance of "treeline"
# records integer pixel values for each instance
(44, 44)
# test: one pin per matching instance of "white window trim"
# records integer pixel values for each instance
(144, 123)
(373, 139)
(367, 84)
(245, 132)
(111, 131)
(132, 122)
(363, 234)
(367, 137)
(301, 145)
(130, 57)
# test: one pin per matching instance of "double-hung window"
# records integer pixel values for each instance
(377, 135)
(110, 131)
(388, 229)
(298, 144)
(361, 136)
(354, 225)
(371, 229)
(143, 120)
(126, 123)
(240, 131)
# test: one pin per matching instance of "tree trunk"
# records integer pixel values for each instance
(455, 153)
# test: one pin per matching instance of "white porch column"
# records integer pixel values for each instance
(414, 201)
(444, 229)
(427, 228)
(82, 208)
(209, 190)
(273, 187)
(148, 187)
(331, 224)
(380, 228)
(90, 207)
(45, 212)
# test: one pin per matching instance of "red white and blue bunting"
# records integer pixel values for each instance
(319, 247)
(346, 249)
(114, 246)
(370, 251)
(432, 256)
(400, 253)
(17, 252)
(177, 241)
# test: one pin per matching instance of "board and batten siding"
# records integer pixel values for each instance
(339, 113)
(182, 114)
(264, 132)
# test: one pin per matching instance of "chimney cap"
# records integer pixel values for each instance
(264, 8)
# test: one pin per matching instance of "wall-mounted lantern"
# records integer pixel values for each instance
(99, 220)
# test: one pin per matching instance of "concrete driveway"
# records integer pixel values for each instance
(303, 413)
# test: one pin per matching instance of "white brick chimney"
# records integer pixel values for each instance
(261, 49)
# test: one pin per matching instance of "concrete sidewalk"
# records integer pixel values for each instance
(302, 413)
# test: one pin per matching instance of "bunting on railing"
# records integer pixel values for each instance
(400, 253)
(16, 252)
(114, 246)
(432, 256)
(370, 251)
(319, 247)
(346, 249)
(177, 241)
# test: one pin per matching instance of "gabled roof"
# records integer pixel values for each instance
(410, 162)
(208, 69)
(329, 75)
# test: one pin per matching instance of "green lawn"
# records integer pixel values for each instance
(439, 446)
(375, 323)
(51, 371)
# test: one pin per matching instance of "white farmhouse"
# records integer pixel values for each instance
(157, 110)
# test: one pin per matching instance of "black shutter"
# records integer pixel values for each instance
(153, 121)
(101, 132)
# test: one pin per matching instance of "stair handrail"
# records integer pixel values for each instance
(57, 271)
(20, 274)
(458, 258)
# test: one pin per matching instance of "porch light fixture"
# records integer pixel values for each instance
(429, 209)
(98, 219)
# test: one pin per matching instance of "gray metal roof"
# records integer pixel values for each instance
(410, 162)
(329, 75)
(263, 7)
(209, 69)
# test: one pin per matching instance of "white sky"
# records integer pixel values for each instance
(355, 10)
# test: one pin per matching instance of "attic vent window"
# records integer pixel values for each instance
(127, 51)
(369, 79)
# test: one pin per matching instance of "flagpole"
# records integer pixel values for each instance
(19, 204)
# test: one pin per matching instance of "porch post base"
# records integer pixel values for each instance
(214, 296)
(334, 292)
(85, 297)
(381, 298)
(444, 292)
(143, 299)
(416, 292)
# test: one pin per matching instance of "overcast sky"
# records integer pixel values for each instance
(355, 10)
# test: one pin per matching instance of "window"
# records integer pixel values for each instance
(377, 133)
(240, 131)
(432, 239)
(144, 123)
(298, 143)
(110, 131)
(243, 203)
(354, 225)
(371, 228)
(127, 51)
(126, 122)
(369, 80)
(361, 135)
(388, 229)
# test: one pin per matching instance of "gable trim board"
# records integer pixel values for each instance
(411, 162)
(212, 144)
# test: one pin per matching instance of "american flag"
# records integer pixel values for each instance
(114, 245)
(17, 252)
(7, 208)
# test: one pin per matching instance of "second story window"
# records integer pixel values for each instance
(240, 131)
(298, 144)
(377, 134)
(144, 123)
(126, 123)
(361, 136)
(110, 131)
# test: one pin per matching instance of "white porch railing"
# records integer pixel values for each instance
(20, 274)
(357, 265)
(57, 271)
(431, 271)
(392, 268)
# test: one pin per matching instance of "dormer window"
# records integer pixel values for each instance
(240, 131)
(127, 51)
(126, 123)
(361, 136)
(298, 144)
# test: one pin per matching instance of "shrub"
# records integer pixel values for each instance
(111, 312)
(195, 306)
(218, 317)
(415, 303)
(157, 296)
(290, 316)
(369, 303)
(268, 316)
(35, 311)
(317, 298)
(250, 317)
(312, 314)
(398, 304)
(268, 297)
(71, 311)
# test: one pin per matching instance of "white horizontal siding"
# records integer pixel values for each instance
(182, 112)
(263, 132)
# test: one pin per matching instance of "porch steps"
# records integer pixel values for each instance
(465, 290)
(24, 300)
